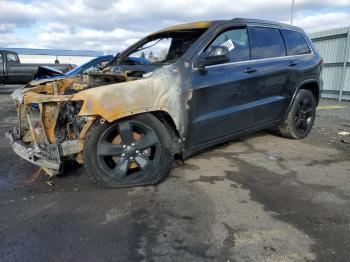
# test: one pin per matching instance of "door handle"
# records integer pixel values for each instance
(250, 70)
(293, 63)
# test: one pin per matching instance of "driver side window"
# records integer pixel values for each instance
(11, 57)
(237, 43)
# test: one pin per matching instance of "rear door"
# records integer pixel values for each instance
(274, 85)
(300, 57)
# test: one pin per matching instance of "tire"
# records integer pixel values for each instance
(301, 116)
(129, 152)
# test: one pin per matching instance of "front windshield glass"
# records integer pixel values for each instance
(154, 51)
(163, 48)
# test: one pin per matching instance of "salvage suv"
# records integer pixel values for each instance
(206, 83)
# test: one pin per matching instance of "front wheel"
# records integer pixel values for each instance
(130, 152)
(300, 117)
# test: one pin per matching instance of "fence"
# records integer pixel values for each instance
(334, 47)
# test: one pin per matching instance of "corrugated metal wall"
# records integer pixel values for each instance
(334, 47)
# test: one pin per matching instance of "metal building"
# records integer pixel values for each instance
(334, 45)
(31, 55)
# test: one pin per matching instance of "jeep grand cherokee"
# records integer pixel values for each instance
(205, 83)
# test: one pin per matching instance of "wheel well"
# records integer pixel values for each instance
(313, 88)
(169, 123)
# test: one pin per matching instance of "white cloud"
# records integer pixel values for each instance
(7, 27)
(9, 39)
(17, 13)
(111, 25)
(60, 36)
(323, 21)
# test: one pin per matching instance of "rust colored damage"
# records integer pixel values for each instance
(55, 116)
(161, 92)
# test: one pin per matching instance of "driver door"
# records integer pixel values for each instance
(224, 95)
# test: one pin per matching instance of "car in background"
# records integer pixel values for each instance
(12, 71)
(139, 60)
(92, 65)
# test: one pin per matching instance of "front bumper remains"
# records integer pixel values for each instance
(33, 154)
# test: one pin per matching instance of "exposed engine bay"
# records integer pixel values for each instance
(50, 125)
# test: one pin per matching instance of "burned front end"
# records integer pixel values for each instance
(50, 131)
(55, 115)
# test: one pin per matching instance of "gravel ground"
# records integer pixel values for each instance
(258, 198)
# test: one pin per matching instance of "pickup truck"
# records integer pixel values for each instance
(12, 71)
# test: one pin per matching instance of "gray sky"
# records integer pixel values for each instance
(113, 25)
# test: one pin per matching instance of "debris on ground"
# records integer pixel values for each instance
(343, 133)
(345, 141)
(275, 158)
(50, 183)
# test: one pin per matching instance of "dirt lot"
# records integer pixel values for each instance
(259, 198)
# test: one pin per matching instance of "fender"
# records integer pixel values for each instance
(307, 81)
(160, 92)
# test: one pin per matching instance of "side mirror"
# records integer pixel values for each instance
(213, 56)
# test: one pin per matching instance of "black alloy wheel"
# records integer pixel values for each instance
(127, 147)
(129, 152)
(304, 115)
(301, 116)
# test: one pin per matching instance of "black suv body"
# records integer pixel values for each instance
(254, 90)
(215, 81)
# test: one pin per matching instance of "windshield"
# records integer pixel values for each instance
(166, 47)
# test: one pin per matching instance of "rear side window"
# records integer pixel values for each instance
(266, 43)
(236, 41)
(295, 43)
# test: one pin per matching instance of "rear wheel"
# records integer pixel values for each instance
(300, 117)
(130, 152)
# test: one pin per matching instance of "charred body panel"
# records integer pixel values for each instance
(163, 91)
(205, 105)
(55, 115)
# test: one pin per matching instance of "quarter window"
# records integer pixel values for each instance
(236, 41)
(266, 43)
(295, 43)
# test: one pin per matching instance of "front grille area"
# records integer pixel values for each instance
(24, 131)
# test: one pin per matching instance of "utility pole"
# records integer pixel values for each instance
(292, 13)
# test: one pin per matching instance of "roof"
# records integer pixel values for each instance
(207, 24)
(53, 52)
(259, 21)
(194, 25)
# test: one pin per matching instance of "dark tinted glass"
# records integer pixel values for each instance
(295, 43)
(236, 41)
(266, 43)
